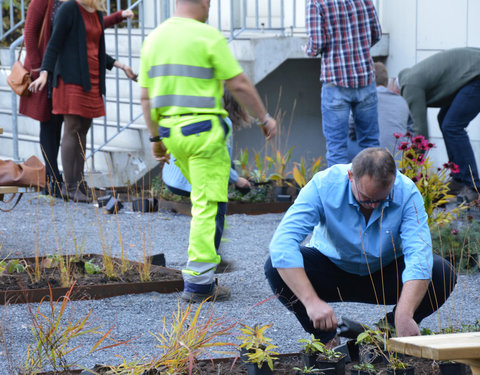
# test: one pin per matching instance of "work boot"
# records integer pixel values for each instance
(218, 293)
(467, 194)
(75, 194)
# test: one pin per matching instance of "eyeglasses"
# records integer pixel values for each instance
(388, 198)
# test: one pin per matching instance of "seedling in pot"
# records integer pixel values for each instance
(363, 368)
(306, 370)
(258, 347)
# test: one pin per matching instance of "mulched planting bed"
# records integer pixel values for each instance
(20, 287)
(286, 364)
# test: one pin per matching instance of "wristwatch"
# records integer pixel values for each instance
(265, 120)
(155, 139)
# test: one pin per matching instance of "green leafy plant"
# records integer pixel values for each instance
(307, 370)
(459, 243)
(242, 162)
(262, 167)
(279, 163)
(395, 363)
(313, 346)
(92, 268)
(371, 336)
(368, 367)
(259, 349)
(432, 183)
(303, 173)
(15, 266)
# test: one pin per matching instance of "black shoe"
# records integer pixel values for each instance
(454, 187)
(467, 194)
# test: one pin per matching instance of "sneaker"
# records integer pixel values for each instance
(467, 194)
(218, 293)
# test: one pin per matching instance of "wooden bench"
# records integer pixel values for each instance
(458, 347)
(13, 190)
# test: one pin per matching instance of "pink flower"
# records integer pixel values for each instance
(398, 135)
(403, 146)
(454, 168)
(418, 139)
(454, 232)
(408, 134)
(420, 159)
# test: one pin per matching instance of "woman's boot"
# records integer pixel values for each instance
(75, 194)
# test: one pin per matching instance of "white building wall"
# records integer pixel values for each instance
(419, 29)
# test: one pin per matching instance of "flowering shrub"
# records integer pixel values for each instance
(432, 183)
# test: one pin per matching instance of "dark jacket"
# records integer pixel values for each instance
(66, 53)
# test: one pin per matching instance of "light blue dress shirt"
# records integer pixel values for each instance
(327, 206)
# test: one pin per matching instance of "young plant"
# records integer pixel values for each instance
(302, 173)
(262, 167)
(55, 333)
(259, 349)
(279, 163)
(307, 370)
(367, 367)
(187, 337)
(242, 162)
(312, 345)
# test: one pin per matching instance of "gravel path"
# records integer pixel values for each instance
(49, 225)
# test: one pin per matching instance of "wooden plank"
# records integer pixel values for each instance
(1, 130)
(439, 347)
(17, 189)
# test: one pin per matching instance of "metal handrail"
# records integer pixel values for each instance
(14, 24)
(251, 20)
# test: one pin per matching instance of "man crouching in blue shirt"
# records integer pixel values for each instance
(371, 243)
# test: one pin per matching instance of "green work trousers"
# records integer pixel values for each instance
(202, 156)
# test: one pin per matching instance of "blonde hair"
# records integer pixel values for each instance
(99, 5)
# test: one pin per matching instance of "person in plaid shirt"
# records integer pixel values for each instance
(342, 32)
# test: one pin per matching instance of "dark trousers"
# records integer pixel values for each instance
(453, 121)
(50, 133)
(381, 288)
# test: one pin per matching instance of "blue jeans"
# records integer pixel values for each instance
(337, 102)
(381, 288)
(453, 121)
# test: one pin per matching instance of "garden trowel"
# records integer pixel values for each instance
(349, 328)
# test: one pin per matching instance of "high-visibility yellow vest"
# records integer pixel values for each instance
(183, 64)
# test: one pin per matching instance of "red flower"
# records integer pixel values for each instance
(418, 139)
(403, 146)
(408, 134)
(420, 159)
(454, 168)
(398, 135)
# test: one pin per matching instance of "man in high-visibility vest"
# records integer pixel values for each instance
(183, 65)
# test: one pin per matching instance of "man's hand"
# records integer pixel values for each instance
(160, 152)
(243, 183)
(405, 326)
(270, 128)
(322, 315)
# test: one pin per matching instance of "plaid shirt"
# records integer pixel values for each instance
(343, 31)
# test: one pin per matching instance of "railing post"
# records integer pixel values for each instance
(16, 157)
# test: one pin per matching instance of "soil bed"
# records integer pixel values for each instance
(20, 287)
(287, 362)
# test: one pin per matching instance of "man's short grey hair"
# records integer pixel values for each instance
(377, 163)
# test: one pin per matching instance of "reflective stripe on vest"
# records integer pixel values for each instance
(180, 71)
(182, 101)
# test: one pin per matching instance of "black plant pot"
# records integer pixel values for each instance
(334, 366)
(252, 369)
(410, 370)
(103, 200)
(113, 206)
(360, 372)
(145, 205)
(452, 368)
